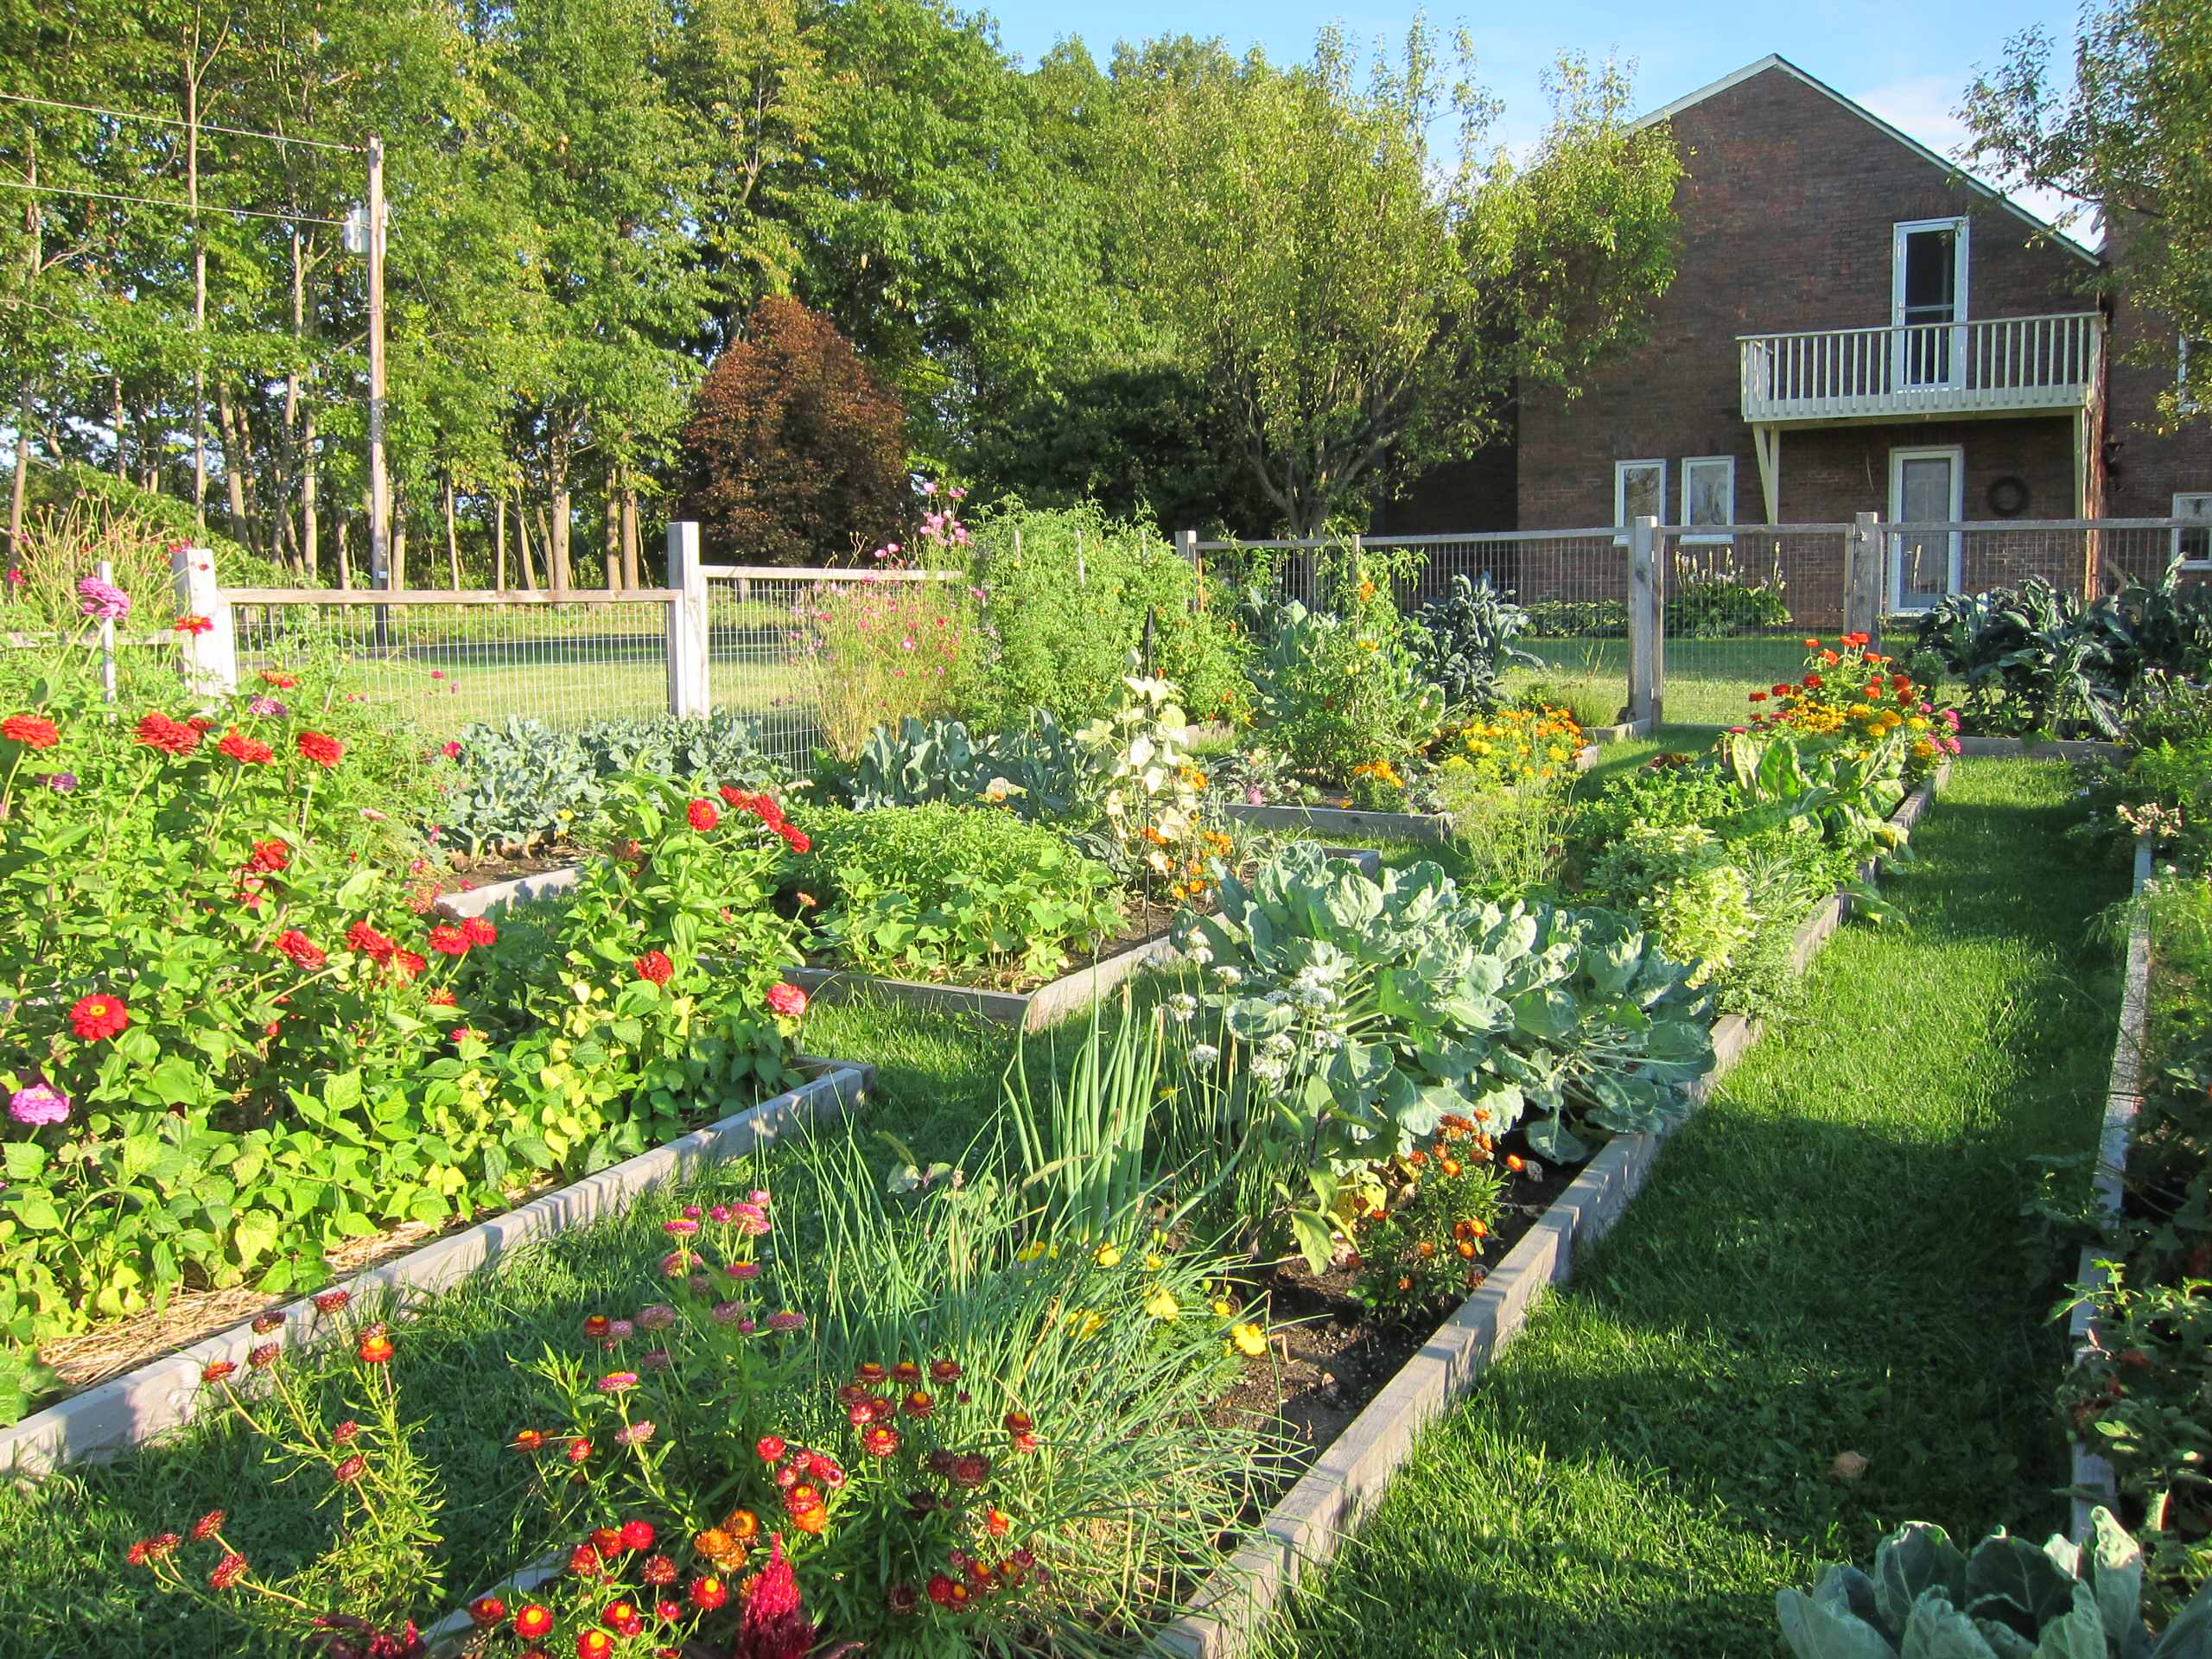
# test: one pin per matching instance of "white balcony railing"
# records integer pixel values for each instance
(1990, 365)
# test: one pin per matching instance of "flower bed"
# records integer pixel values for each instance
(1346, 820)
(1304, 1529)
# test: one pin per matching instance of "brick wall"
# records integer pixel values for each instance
(1786, 209)
(2147, 467)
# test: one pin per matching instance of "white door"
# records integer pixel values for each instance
(1928, 302)
(1927, 486)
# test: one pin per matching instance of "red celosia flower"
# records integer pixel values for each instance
(704, 815)
(773, 1625)
(246, 751)
(350, 1471)
(655, 966)
(33, 731)
(637, 1535)
(302, 952)
(376, 1347)
(192, 625)
(207, 1526)
(486, 1611)
(477, 930)
(228, 1571)
(533, 1621)
(450, 941)
(94, 1018)
(158, 731)
(325, 752)
(370, 943)
(268, 857)
(708, 1593)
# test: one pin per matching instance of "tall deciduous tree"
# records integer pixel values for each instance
(1359, 300)
(795, 453)
(2128, 139)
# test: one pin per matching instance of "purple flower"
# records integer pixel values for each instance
(621, 1329)
(633, 1434)
(655, 1359)
(103, 600)
(787, 1321)
(268, 707)
(728, 1312)
(62, 783)
(656, 1316)
(743, 1269)
(38, 1104)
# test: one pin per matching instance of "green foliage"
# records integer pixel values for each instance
(1345, 688)
(1687, 888)
(1718, 605)
(1356, 1013)
(1577, 618)
(1418, 1253)
(1151, 792)
(2002, 1600)
(1035, 772)
(1085, 1155)
(523, 784)
(968, 894)
(1068, 594)
(1466, 642)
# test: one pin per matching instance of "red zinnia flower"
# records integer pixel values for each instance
(533, 1621)
(268, 857)
(796, 838)
(477, 930)
(158, 731)
(207, 1526)
(654, 965)
(246, 751)
(450, 941)
(787, 1001)
(370, 943)
(97, 1017)
(228, 1571)
(282, 682)
(408, 963)
(303, 953)
(33, 731)
(704, 816)
(191, 625)
(325, 752)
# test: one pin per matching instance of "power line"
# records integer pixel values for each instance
(172, 121)
(156, 201)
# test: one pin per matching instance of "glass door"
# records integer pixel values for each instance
(1928, 302)
(1926, 488)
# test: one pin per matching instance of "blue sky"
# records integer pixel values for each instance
(1906, 59)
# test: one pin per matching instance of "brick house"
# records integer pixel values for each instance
(1854, 327)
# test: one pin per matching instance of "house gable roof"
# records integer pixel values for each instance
(1775, 60)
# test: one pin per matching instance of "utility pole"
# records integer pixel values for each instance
(379, 480)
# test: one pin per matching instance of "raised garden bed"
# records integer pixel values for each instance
(1346, 821)
(2094, 1481)
(2055, 748)
(161, 1394)
(1028, 1010)
(1304, 1529)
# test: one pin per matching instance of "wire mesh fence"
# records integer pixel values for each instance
(445, 660)
(1735, 604)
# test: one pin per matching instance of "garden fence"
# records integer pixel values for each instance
(1720, 611)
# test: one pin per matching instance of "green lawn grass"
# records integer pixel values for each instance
(1829, 1258)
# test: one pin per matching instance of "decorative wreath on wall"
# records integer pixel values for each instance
(2008, 496)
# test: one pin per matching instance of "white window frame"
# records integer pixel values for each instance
(1621, 469)
(2202, 510)
(1690, 462)
(2183, 404)
(1956, 455)
(1956, 363)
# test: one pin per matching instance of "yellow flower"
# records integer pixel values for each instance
(1221, 1307)
(1155, 1263)
(1249, 1339)
(1109, 1254)
(1917, 724)
(1029, 1252)
(1161, 1304)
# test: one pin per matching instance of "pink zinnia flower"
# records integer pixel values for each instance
(39, 1104)
(787, 1001)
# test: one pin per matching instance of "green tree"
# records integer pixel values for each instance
(2128, 139)
(1359, 300)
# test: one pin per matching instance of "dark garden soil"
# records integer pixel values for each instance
(485, 868)
(1333, 1355)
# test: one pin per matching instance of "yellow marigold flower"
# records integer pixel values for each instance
(1221, 1307)
(1161, 1304)
(1917, 724)
(1248, 1339)
(1154, 1263)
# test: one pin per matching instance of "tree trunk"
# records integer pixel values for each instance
(193, 72)
(397, 579)
(556, 576)
(558, 565)
(453, 529)
(310, 555)
(115, 385)
(499, 541)
(631, 560)
(613, 537)
(22, 481)
(521, 541)
(345, 557)
(234, 461)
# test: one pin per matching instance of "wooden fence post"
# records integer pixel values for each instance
(1646, 676)
(209, 656)
(691, 692)
(1186, 543)
(1862, 578)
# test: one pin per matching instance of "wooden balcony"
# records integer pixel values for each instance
(1993, 365)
